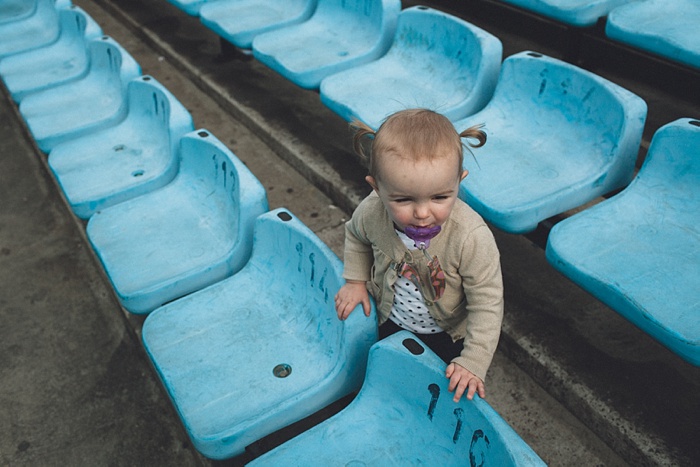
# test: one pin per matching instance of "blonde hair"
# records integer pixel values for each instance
(414, 135)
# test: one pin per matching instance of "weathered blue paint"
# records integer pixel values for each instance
(184, 236)
(386, 424)
(221, 352)
(668, 28)
(240, 21)
(16, 10)
(558, 137)
(39, 28)
(136, 156)
(581, 13)
(65, 60)
(338, 36)
(639, 251)
(436, 61)
(95, 101)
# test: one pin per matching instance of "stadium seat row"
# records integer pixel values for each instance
(559, 136)
(241, 323)
(666, 28)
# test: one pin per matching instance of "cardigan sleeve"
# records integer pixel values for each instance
(483, 286)
(358, 257)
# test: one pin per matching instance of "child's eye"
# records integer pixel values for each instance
(441, 197)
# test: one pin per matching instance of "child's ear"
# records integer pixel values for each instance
(372, 182)
(464, 175)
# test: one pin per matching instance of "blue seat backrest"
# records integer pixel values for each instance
(108, 57)
(205, 165)
(150, 99)
(14, 10)
(405, 412)
(432, 31)
(304, 266)
(368, 13)
(531, 82)
(579, 13)
(82, 23)
(307, 271)
(672, 168)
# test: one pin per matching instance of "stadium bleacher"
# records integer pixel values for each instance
(141, 240)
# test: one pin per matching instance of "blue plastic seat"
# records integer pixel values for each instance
(264, 348)
(639, 251)
(39, 28)
(16, 10)
(340, 35)
(138, 155)
(580, 13)
(437, 61)
(558, 137)
(405, 415)
(184, 236)
(191, 7)
(668, 28)
(65, 60)
(95, 101)
(239, 21)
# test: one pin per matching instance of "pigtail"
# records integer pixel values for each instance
(361, 131)
(474, 132)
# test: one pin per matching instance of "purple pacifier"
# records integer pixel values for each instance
(421, 235)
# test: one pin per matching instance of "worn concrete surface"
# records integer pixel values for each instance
(77, 388)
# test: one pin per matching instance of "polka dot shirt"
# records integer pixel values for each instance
(409, 310)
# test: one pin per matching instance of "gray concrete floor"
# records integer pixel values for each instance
(77, 388)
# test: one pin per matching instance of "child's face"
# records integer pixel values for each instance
(420, 194)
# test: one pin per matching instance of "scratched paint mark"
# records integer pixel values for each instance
(459, 413)
(216, 166)
(479, 445)
(543, 85)
(223, 169)
(312, 260)
(300, 252)
(322, 285)
(434, 396)
(155, 102)
(232, 177)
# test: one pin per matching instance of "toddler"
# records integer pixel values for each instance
(429, 260)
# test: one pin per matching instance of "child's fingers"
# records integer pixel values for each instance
(366, 307)
(345, 311)
(463, 382)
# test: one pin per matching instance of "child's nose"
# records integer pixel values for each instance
(421, 211)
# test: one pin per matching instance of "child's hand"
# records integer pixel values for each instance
(349, 296)
(461, 379)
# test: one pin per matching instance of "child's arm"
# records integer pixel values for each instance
(349, 296)
(358, 260)
(462, 380)
(483, 286)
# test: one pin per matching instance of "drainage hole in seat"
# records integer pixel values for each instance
(413, 346)
(282, 370)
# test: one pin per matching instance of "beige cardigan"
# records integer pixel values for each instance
(472, 304)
